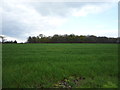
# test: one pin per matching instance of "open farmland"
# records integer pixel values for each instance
(60, 65)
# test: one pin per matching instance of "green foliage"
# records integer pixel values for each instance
(110, 85)
(70, 39)
(43, 65)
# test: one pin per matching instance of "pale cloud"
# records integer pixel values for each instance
(8, 38)
(71, 0)
(1, 16)
(22, 19)
(98, 32)
(90, 9)
(100, 26)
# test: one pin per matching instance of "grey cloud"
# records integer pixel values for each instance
(13, 29)
(55, 8)
(14, 26)
(59, 8)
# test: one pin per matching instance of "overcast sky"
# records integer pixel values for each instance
(22, 19)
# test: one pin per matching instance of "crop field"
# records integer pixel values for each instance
(60, 65)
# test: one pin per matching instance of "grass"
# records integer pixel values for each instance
(47, 65)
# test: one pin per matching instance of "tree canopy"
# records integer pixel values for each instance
(70, 39)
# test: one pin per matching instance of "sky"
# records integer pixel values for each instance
(21, 19)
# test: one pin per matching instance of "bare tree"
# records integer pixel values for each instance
(2, 37)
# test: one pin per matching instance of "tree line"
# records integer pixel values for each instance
(10, 41)
(3, 40)
(71, 39)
